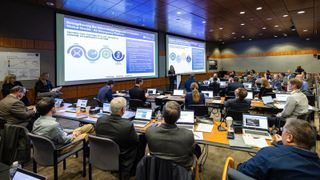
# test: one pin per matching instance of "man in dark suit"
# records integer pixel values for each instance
(169, 142)
(292, 156)
(13, 110)
(105, 93)
(235, 84)
(239, 103)
(122, 132)
(136, 92)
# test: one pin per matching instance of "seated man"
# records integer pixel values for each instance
(235, 84)
(188, 82)
(276, 83)
(13, 110)
(290, 158)
(215, 76)
(136, 92)
(122, 132)
(239, 103)
(48, 126)
(169, 142)
(105, 93)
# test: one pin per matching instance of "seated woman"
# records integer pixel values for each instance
(8, 83)
(44, 87)
(265, 88)
(194, 97)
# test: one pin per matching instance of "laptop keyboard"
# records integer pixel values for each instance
(186, 126)
(257, 133)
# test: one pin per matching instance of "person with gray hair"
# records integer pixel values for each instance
(292, 157)
(170, 142)
(122, 132)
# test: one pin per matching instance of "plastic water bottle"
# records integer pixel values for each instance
(158, 115)
(15, 165)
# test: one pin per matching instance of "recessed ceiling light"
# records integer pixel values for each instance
(242, 12)
(276, 25)
(258, 8)
(220, 28)
(178, 12)
(269, 19)
(300, 12)
(307, 39)
(250, 39)
(242, 36)
(264, 27)
(50, 3)
(242, 24)
(275, 36)
(203, 22)
(305, 30)
(286, 15)
(285, 35)
(233, 33)
(222, 42)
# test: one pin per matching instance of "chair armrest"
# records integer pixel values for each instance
(70, 144)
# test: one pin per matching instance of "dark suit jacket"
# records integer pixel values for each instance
(137, 93)
(233, 86)
(171, 143)
(237, 105)
(40, 87)
(105, 94)
(6, 87)
(263, 91)
(189, 100)
(14, 111)
(123, 133)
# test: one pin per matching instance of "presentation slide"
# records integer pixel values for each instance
(90, 51)
(186, 55)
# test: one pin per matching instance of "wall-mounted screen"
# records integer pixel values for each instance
(186, 55)
(90, 51)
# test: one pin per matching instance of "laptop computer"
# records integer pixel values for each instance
(223, 84)
(106, 108)
(256, 126)
(142, 117)
(207, 94)
(186, 120)
(247, 85)
(58, 102)
(82, 103)
(249, 95)
(152, 91)
(178, 92)
(282, 97)
(267, 100)
(22, 174)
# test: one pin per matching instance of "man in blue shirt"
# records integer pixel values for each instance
(188, 83)
(305, 85)
(105, 93)
(276, 83)
(291, 158)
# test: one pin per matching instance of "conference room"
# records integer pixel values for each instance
(159, 89)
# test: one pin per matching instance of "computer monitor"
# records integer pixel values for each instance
(247, 85)
(106, 107)
(152, 91)
(186, 117)
(255, 121)
(206, 82)
(82, 103)
(282, 97)
(178, 92)
(249, 95)
(57, 102)
(22, 174)
(223, 84)
(142, 113)
(267, 99)
(207, 94)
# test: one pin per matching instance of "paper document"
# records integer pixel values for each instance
(161, 97)
(198, 135)
(216, 101)
(204, 127)
(56, 89)
(256, 142)
(279, 106)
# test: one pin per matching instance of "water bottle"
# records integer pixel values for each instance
(158, 116)
(15, 165)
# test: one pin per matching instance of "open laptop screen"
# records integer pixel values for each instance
(106, 107)
(178, 92)
(267, 99)
(247, 85)
(21, 174)
(249, 95)
(143, 114)
(82, 103)
(282, 97)
(186, 117)
(151, 91)
(207, 94)
(254, 121)
(223, 84)
(57, 102)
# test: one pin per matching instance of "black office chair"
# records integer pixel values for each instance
(98, 102)
(199, 109)
(135, 103)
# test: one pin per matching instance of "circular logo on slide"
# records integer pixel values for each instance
(118, 56)
(106, 53)
(172, 56)
(76, 52)
(188, 59)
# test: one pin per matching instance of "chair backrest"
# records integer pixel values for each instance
(237, 175)
(305, 117)
(2, 123)
(43, 149)
(199, 109)
(99, 103)
(229, 163)
(104, 153)
(135, 103)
